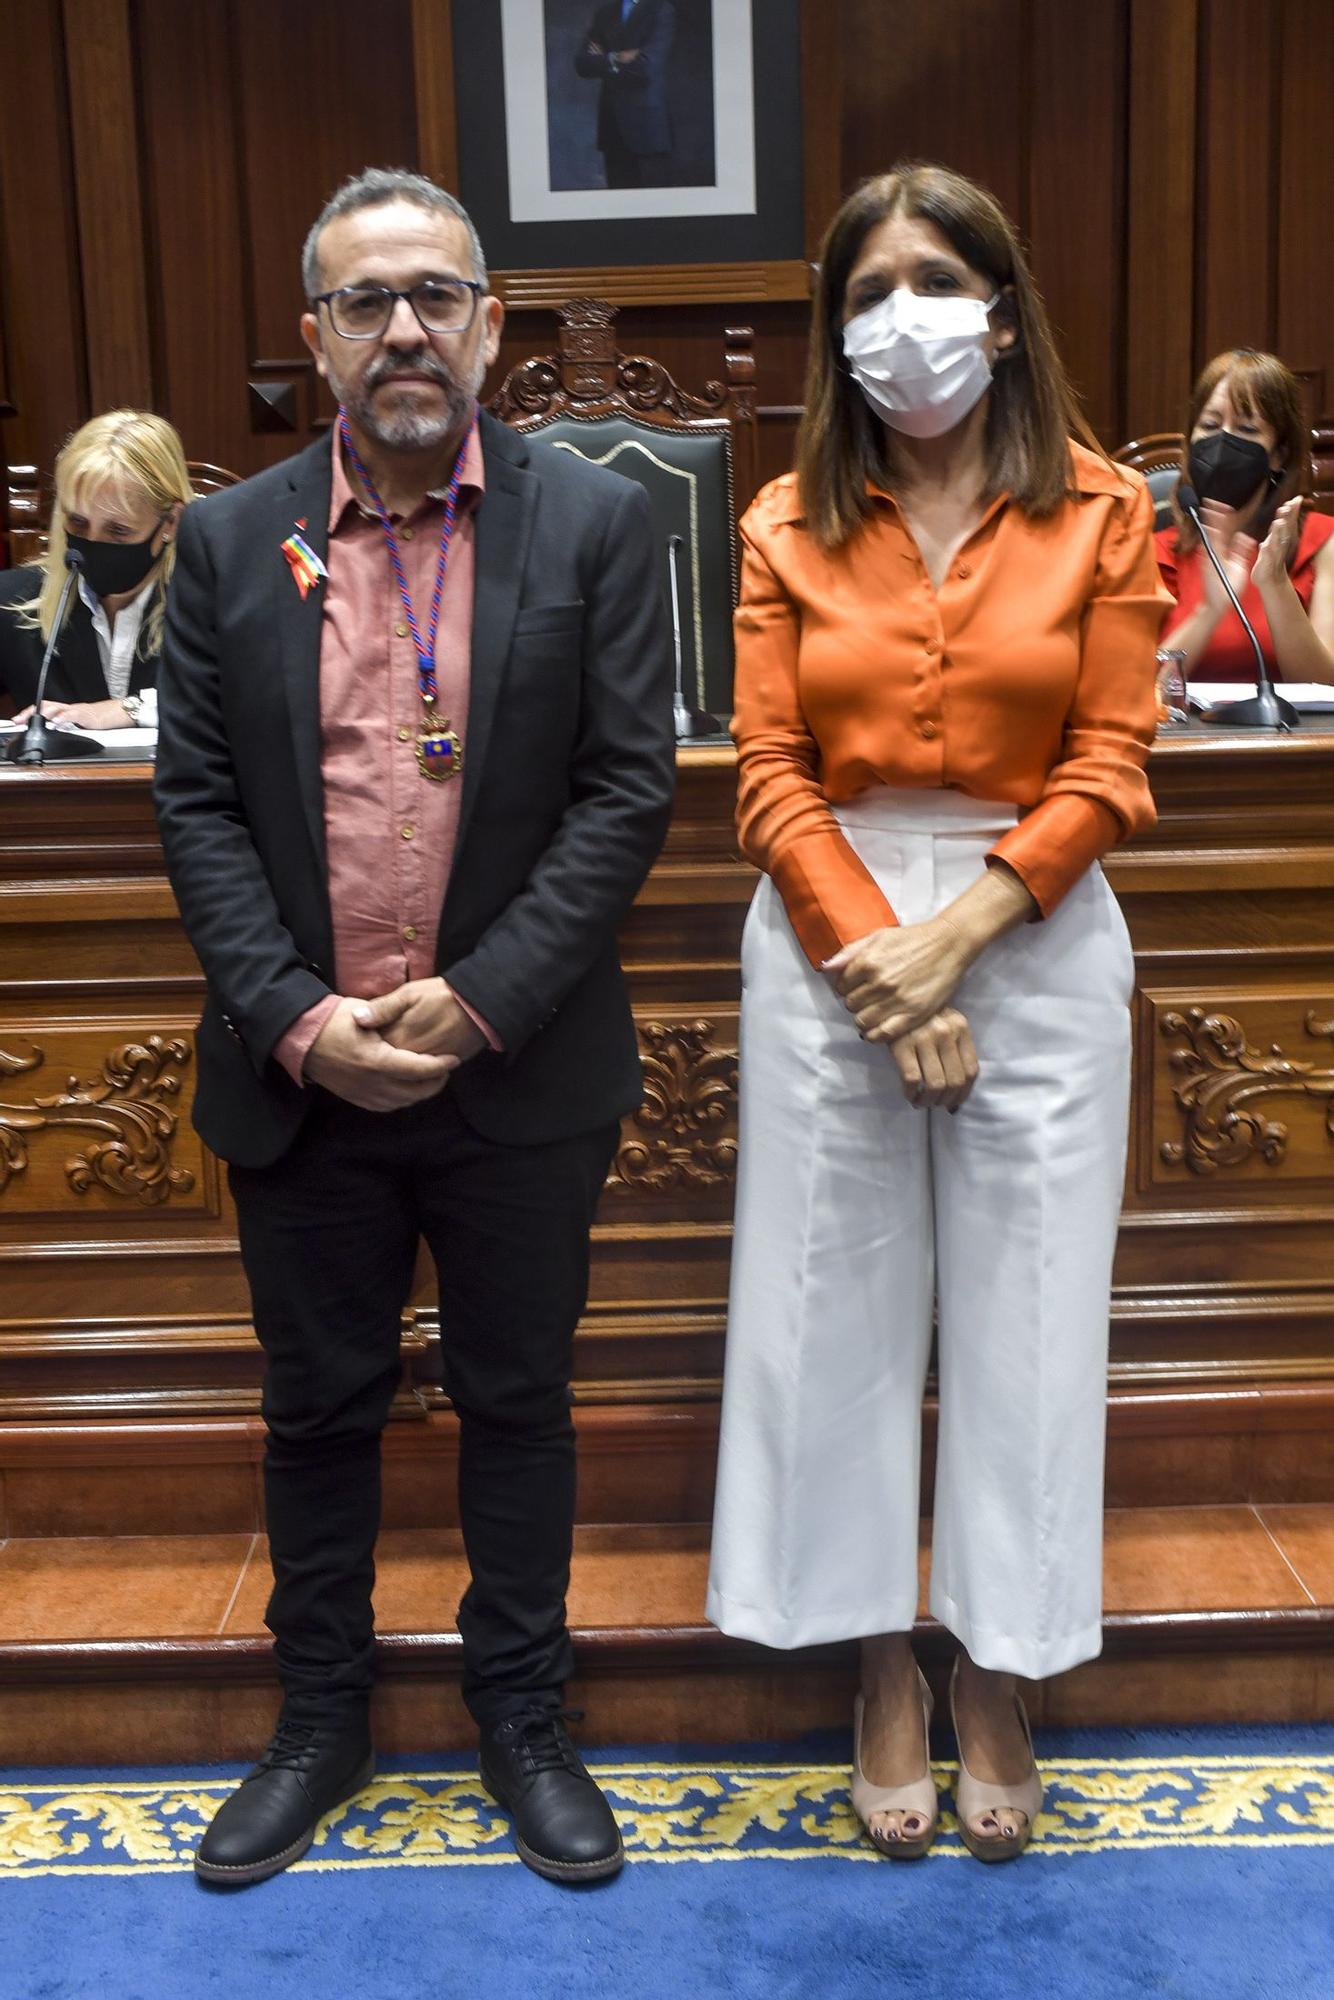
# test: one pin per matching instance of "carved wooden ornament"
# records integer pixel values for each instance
(681, 1140)
(127, 1112)
(1222, 1082)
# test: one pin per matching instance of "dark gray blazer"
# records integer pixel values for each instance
(76, 668)
(567, 785)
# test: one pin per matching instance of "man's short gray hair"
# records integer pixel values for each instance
(373, 188)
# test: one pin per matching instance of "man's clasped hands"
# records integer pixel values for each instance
(398, 1050)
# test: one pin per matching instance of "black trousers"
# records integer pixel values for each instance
(625, 169)
(329, 1238)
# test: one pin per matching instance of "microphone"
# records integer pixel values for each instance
(39, 740)
(1264, 709)
(686, 722)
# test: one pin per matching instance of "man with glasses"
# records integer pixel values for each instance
(415, 759)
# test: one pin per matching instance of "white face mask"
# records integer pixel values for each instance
(919, 360)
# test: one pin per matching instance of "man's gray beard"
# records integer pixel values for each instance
(408, 428)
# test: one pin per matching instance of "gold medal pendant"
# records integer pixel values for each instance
(439, 749)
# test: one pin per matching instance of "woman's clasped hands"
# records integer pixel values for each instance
(897, 984)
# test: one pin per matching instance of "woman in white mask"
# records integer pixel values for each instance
(944, 703)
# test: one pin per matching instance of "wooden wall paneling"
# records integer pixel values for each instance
(109, 194)
(1239, 120)
(946, 83)
(1075, 199)
(821, 120)
(433, 68)
(1029, 98)
(190, 159)
(1160, 259)
(41, 303)
(1305, 135)
(314, 108)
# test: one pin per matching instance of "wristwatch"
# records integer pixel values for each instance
(134, 708)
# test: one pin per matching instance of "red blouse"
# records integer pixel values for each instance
(1229, 656)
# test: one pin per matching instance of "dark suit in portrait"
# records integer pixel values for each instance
(634, 117)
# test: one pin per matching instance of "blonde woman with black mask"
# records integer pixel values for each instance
(120, 485)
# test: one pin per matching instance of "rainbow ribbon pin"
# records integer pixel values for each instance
(305, 565)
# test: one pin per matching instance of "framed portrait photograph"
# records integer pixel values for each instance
(612, 136)
(628, 97)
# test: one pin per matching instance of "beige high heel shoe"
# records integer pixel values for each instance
(973, 1798)
(919, 1797)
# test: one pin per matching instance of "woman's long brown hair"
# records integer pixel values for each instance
(1032, 409)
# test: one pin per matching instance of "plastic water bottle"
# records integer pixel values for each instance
(1173, 700)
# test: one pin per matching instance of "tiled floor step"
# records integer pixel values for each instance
(1204, 1444)
(152, 1648)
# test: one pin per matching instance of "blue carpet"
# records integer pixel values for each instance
(1191, 1865)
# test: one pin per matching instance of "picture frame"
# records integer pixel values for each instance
(606, 243)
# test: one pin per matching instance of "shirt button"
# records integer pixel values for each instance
(410, 932)
(400, 631)
(932, 648)
(407, 533)
(963, 572)
(928, 730)
(405, 736)
(407, 831)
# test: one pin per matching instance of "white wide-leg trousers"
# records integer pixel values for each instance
(856, 1212)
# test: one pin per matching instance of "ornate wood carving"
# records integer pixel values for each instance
(128, 1111)
(589, 377)
(684, 1136)
(1223, 1080)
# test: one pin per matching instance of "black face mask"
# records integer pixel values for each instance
(1227, 468)
(113, 567)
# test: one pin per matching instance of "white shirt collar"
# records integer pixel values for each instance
(116, 644)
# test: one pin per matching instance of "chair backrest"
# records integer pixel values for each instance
(688, 451)
(1158, 457)
(28, 504)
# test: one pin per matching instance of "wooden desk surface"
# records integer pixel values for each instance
(121, 1291)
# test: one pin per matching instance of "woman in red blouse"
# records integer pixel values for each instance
(1248, 456)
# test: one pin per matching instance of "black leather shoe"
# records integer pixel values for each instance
(269, 1821)
(563, 1827)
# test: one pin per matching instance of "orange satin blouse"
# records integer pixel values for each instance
(1028, 677)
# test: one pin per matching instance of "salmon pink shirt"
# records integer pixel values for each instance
(1028, 677)
(389, 831)
(1229, 655)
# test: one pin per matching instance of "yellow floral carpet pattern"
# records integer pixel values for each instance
(705, 1812)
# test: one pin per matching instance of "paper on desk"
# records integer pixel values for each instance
(110, 739)
(1316, 696)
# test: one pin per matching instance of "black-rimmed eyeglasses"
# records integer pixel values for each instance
(439, 305)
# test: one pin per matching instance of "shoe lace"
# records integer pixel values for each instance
(541, 1742)
(294, 1746)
